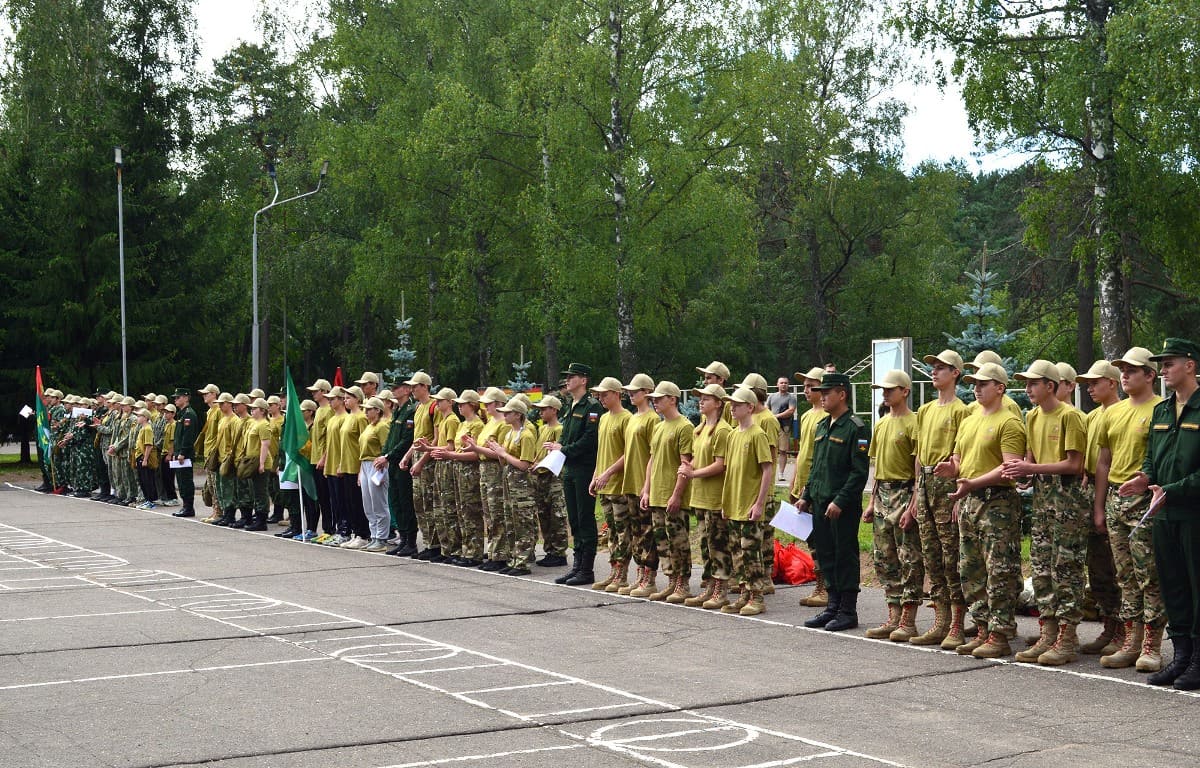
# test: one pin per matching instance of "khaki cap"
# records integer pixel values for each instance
(986, 356)
(160, 399)
(127, 400)
(639, 381)
(515, 405)
(742, 395)
(524, 398)
(273, 400)
(149, 396)
(1041, 369)
(386, 395)
(947, 356)
(368, 378)
(374, 402)
(445, 393)
(493, 395)
(70, 399)
(1101, 369)
(666, 389)
(420, 377)
(308, 405)
(259, 402)
(894, 378)
(713, 390)
(608, 384)
(210, 389)
(170, 408)
(989, 372)
(256, 393)
(356, 392)
(139, 404)
(716, 368)
(143, 413)
(242, 398)
(1139, 357)
(550, 401)
(814, 374)
(1066, 372)
(321, 385)
(468, 396)
(111, 395)
(755, 381)
(224, 397)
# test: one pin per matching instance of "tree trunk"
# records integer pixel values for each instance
(552, 368)
(1085, 311)
(483, 305)
(820, 324)
(626, 339)
(431, 333)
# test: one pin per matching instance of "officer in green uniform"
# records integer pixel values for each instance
(1171, 472)
(187, 429)
(578, 443)
(400, 482)
(834, 496)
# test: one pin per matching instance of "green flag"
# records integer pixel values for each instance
(296, 468)
(43, 419)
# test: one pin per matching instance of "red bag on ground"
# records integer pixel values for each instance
(792, 565)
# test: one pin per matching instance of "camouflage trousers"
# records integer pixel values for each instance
(989, 554)
(424, 494)
(445, 512)
(1103, 591)
(470, 508)
(520, 517)
(226, 492)
(129, 478)
(1058, 547)
(938, 531)
(619, 519)
(745, 538)
(897, 551)
(117, 477)
(551, 511)
(671, 540)
(715, 550)
(645, 551)
(1141, 596)
(491, 495)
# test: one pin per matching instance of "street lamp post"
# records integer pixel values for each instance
(121, 267)
(254, 339)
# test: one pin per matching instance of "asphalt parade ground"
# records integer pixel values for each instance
(131, 638)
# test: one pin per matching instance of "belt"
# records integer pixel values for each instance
(1048, 478)
(891, 485)
(928, 470)
(992, 492)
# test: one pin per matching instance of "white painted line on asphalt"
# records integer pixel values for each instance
(410, 673)
(514, 687)
(794, 760)
(581, 710)
(492, 756)
(341, 639)
(186, 671)
(89, 615)
(259, 615)
(297, 626)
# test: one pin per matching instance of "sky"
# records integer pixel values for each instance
(936, 127)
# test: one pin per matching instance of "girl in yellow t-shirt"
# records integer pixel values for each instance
(710, 442)
(146, 460)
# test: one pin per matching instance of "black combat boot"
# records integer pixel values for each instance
(584, 574)
(1173, 671)
(847, 616)
(828, 613)
(576, 560)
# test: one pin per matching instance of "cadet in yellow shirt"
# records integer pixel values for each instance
(417, 460)
(330, 463)
(607, 480)
(518, 452)
(638, 431)
(260, 446)
(275, 417)
(323, 514)
(491, 480)
(549, 496)
(988, 356)
(445, 512)
(243, 490)
(372, 482)
(463, 468)
(804, 455)
(706, 473)
(744, 496)
(353, 528)
(220, 453)
(897, 554)
(664, 491)
(767, 422)
(146, 460)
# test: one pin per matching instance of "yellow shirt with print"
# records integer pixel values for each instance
(1125, 430)
(709, 443)
(748, 450)
(212, 425)
(521, 443)
(892, 446)
(983, 439)
(372, 438)
(672, 440)
(547, 434)
(254, 432)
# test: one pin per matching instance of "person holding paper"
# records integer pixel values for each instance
(372, 482)
(744, 492)
(665, 491)
(638, 431)
(578, 443)
(706, 473)
(804, 452)
(187, 429)
(606, 483)
(1122, 438)
(517, 454)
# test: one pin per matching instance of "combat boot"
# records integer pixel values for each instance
(584, 576)
(1111, 638)
(954, 634)
(908, 624)
(995, 646)
(967, 649)
(890, 625)
(620, 579)
(637, 582)
(1151, 658)
(1044, 642)
(755, 605)
(256, 522)
(827, 615)
(718, 600)
(704, 596)
(819, 597)
(601, 586)
(646, 586)
(1184, 648)
(847, 615)
(1130, 649)
(680, 594)
(941, 627)
(227, 517)
(1065, 648)
(667, 590)
(576, 560)
(1190, 679)
(742, 602)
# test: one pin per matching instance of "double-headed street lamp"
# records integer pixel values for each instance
(254, 343)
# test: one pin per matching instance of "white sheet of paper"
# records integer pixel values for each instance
(378, 477)
(554, 462)
(288, 485)
(792, 521)
(26, 411)
(77, 412)
(179, 464)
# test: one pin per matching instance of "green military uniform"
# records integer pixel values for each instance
(187, 429)
(400, 482)
(581, 423)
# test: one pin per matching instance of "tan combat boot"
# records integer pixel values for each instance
(966, 649)
(1065, 648)
(954, 635)
(743, 601)
(619, 578)
(680, 594)
(908, 624)
(755, 605)
(1108, 637)
(662, 593)
(769, 589)
(890, 625)
(995, 647)
(706, 594)
(1044, 642)
(1129, 650)
(819, 597)
(718, 600)
(601, 586)
(941, 627)
(1151, 658)
(645, 588)
(637, 582)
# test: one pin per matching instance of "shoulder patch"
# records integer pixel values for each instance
(856, 421)
(593, 418)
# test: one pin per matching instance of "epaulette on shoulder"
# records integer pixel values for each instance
(856, 421)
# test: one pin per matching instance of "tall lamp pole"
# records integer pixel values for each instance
(254, 342)
(121, 266)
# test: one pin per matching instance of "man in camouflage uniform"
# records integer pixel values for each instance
(102, 422)
(118, 438)
(81, 439)
(58, 423)
(517, 453)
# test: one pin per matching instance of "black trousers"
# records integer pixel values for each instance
(1177, 560)
(581, 507)
(835, 543)
(146, 479)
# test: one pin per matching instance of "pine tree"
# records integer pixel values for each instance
(520, 381)
(403, 356)
(979, 335)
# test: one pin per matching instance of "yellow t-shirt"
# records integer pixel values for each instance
(804, 448)
(748, 450)
(353, 423)
(521, 443)
(638, 431)
(333, 443)
(547, 434)
(984, 439)
(672, 440)
(473, 427)
(1010, 405)
(497, 428)
(372, 439)
(237, 430)
(1093, 421)
(708, 445)
(1124, 431)
(447, 430)
(423, 422)
(320, 430)
(767, 422)
(145, 436)
(892, 446)
(254, 431)
(937, 426)
(610, 446)
(212, 424)
(1051, 435)
(224, 441)
(276, 426)
(169, 438)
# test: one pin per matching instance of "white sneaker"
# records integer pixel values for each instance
(337, 540)
(356, 543)
(375, 545)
